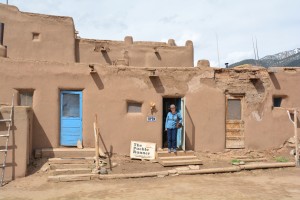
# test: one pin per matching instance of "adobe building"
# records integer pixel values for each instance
(60, 81)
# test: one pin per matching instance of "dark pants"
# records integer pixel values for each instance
(172, 138)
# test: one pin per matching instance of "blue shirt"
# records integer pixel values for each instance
(172, 119)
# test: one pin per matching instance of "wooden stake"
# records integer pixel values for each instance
(296, 138)
(96, 143)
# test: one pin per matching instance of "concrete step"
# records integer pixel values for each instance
(172, 154)
(64, 152)
(169, 163)
(86, 160)
(71, 166)
(71, 171)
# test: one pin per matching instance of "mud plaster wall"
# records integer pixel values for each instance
(19, 146)
(106, 93)
(56, 41)
(265, 127)
(284, 83)
(145, 54)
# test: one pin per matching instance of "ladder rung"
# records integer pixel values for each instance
(3, 150)
(5, 120)
(6, 135)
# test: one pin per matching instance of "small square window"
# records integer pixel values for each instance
(36, 36)
(25, 97)
(277, 101)
(134, 107)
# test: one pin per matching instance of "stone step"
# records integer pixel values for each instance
(71, 171)
(169, 163)
(64, 152)
(172, 154)
(71, 166)
(178, 158)
(86, 160)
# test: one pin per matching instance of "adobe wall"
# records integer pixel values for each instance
(266, 127)
(284, 82)
(106, 94)
(19, 146)
(134, 53)
(56, 41)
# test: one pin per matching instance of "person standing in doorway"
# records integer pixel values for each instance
(172, 120)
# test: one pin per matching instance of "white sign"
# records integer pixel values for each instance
(142, 150)
(151, 119)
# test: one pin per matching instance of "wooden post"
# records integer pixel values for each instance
(296, 138)
(96, 143)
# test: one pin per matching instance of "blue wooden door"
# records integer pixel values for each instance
(70, 117)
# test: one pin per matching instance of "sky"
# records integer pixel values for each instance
(274, 23)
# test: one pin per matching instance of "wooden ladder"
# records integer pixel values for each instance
(4, 150)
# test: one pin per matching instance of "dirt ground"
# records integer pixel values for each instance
(260, 184)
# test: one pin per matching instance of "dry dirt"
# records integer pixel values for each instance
(259, 184)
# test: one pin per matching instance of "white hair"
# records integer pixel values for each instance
(172, 106)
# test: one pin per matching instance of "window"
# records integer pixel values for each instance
(134, 107)
(71, 105)
(234, 109)
(25, 97)
(36, 36)
(277, 101)
(1, 33)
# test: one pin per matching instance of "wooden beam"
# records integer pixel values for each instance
(96, 143)
(296, 138)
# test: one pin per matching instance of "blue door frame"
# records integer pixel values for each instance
(70, 117)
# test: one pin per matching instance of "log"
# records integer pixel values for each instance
(210, 171)
(267, 165)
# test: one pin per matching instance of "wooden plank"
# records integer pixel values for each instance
(178, 158)
(68, 166)
(181, 162)
(71, 171)
(296, 138)
(178, 153)
(87, 160)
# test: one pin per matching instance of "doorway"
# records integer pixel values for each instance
(234, 122)
(180, 107)
(70, 117)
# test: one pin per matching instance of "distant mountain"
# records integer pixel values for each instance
(283, 59)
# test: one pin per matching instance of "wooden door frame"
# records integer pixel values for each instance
(240, 97)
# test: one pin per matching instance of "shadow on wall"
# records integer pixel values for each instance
(157, 84)
(97, 81)
(106, 57)
(158, 56)
(275, 81)
(38, 132)
(259, 86)
(77, 51)
(190, 133)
